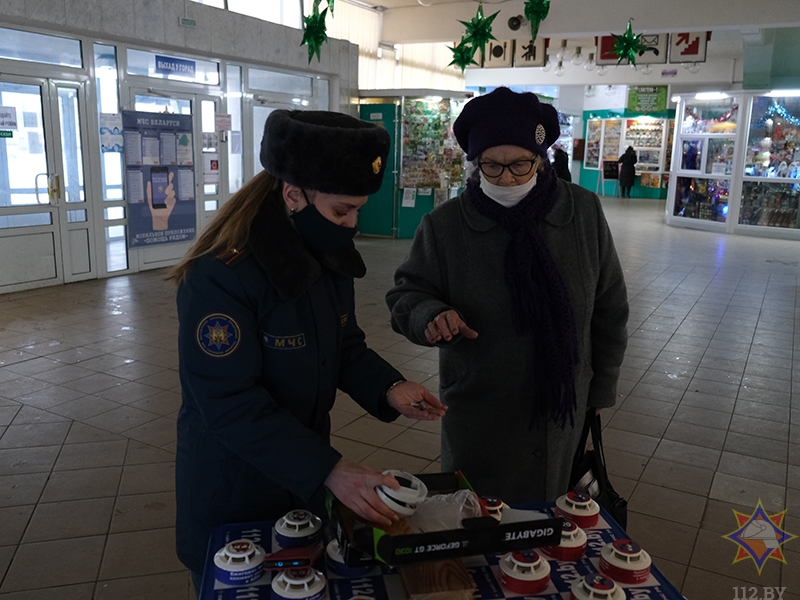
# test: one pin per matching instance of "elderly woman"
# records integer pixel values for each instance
(518, 283)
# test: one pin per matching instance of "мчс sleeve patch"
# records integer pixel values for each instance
(218, 335)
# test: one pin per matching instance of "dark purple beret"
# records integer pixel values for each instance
(325, 151)
(503, 117)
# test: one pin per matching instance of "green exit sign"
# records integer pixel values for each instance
(6, 134)
(186, 22)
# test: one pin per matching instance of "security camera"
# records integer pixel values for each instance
(514, 23)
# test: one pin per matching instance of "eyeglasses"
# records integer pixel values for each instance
(518, 168)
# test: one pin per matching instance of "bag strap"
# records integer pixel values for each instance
(587, 423)
(597, 443)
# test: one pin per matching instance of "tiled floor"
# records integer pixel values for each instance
(707, 420)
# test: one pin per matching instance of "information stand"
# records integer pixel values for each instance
(609, 172)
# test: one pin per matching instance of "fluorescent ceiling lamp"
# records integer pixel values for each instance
(711, 96)
(784, 94)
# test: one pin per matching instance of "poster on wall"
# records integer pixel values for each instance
(159, 177)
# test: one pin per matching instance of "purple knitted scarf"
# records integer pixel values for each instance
(539, 297)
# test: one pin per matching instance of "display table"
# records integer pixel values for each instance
(384, 583)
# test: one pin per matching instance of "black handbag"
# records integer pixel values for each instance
(589, 474)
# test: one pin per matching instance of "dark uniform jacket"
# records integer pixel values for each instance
(267, 335)
(456, 262)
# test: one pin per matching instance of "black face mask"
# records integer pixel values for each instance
(319, 233)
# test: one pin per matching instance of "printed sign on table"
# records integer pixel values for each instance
(159, 178)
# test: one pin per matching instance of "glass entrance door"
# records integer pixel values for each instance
(45, 220)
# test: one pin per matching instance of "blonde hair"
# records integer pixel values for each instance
(230, 228)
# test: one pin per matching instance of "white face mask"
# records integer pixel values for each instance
(507, 196)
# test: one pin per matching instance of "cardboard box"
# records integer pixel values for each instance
(361, 543)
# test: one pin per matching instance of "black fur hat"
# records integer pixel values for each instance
(504, 117)
(325, 151)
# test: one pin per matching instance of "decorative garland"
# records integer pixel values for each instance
(781, 111)
(314, 31)
(536, 11)
(628, 46)
(477, 35)
(689, 112)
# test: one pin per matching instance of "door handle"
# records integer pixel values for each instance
(54, 189)
(36, 187)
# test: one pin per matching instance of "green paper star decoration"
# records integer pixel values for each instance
(479, 31)
(627, 46)
(462, 55)
(315, 33)
(536, 11)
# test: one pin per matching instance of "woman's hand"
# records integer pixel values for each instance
(446, 325)
(354, 485)
(415, 401)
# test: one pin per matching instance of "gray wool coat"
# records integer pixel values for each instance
(456, 262)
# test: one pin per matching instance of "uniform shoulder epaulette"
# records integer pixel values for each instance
(232, 255)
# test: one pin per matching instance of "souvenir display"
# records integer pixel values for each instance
(704, 199)
(769, 204)
(594, 135)
(644, 133)
(612, 131)
(431, 157)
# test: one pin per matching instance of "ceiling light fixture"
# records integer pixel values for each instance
(579, 58)
(646, 70)
(602, 70)
(563, 52)
(589, 66)
(559, 72)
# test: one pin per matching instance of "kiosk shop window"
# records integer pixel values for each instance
(704, 199)
(718, 115)
(773, 146)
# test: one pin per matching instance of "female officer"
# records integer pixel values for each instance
(268, 334)
(518, 283)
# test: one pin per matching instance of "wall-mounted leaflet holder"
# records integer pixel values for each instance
(53, 188)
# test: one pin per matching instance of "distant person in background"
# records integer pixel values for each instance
(627, 172)
(561, 164)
